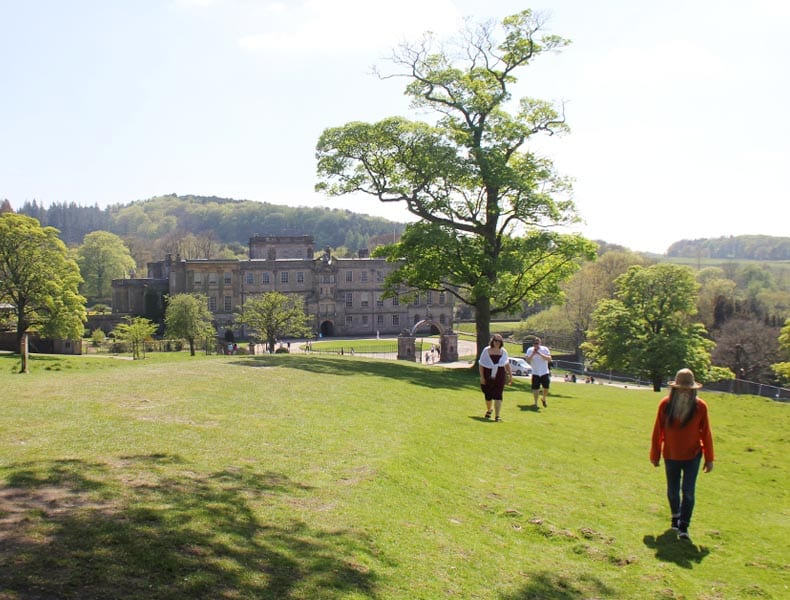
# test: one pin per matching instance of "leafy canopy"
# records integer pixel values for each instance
(273, 316)
(488, 206)
(647, 329)
(187, 317)
(39, 281)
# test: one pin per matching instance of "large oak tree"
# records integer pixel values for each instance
(649, 327)
(488, 206)
(39, 282)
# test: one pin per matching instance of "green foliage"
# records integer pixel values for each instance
(739, 247)
(134, 332)
(486, 205)
(97, 337)
(187, 317)
(782, 369)
(40, 281)
(273, 316)
(647, 329)
(103, 257)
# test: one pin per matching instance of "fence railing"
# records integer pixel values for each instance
(729, 386)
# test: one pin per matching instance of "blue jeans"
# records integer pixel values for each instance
(682, 476)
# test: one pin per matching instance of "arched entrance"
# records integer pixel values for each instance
(327, 329)
(448, 342)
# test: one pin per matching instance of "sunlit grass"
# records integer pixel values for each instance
(343, 477)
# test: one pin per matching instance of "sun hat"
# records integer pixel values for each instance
(685, 380)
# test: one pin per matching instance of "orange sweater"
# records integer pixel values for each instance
(682, 443)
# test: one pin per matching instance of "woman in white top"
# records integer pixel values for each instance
(494, 373)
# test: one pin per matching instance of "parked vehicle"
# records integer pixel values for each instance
(519, 366)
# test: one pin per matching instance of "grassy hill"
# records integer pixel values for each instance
(344, 477)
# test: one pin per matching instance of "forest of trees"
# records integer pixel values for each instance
(226, 221)
(738, 247)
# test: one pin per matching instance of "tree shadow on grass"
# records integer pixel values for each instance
(147, 527)
(669, 548)
(550, 586)
(438, 377)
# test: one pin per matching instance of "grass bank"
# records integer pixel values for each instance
(343, 477)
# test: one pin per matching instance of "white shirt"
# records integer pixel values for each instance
(539, 361)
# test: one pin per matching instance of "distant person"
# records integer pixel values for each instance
(494, 373)
(683, 436)
(539, 358)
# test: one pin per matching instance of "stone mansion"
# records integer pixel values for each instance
(342, 296)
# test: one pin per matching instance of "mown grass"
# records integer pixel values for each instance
(344, 477)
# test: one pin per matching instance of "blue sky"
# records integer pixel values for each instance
(678, 109)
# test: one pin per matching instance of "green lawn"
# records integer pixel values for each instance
(343, 477)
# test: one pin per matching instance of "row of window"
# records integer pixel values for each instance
(265, 277)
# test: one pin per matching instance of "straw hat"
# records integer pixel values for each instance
(685, 380)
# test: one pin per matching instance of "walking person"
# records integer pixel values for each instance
(494, 373)
(539, 358)
(682, 434)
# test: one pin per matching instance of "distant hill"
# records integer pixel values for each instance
(229, 221)
(739, 247)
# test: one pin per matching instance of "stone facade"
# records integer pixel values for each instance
(343, 296)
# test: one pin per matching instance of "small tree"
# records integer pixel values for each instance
(40, 282)
(135, 332)
(648, 330)
(782, 369)
(274, 315)
(187, 317)
(103, 257)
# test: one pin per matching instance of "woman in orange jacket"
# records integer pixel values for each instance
(683, 436)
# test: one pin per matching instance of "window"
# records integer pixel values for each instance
(349, 299)
(428, 297)
(380, 302)
(349, 320)
(379, 276)
(442, 297)
(364, 319)
(284, 277)
(300, 277)
(396, 320)
(228, 304)
(349, 276)
(417, 299)
(265, 279)
(380, 320)
(326, 278)
(363, 276)
(198, 279)
(395, 301)
(226, 278)
(212, 303)
(364, 300)
(212, 279)
(442, 318)
(250, 276)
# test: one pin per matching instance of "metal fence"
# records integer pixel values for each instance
(729, 386)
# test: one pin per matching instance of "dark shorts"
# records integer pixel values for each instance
(539, 381)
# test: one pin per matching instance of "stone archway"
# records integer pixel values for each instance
(448, 342)
(327, 329)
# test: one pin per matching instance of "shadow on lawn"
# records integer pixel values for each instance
(146, 527)
(550, 586)
(434, 377)
(670, 549)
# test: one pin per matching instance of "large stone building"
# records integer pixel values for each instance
(342, 296)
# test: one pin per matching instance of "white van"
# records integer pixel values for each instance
(519, 366)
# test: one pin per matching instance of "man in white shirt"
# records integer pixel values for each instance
(539, 358)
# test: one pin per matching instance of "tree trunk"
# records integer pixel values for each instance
(23, 352)
(191, 346)
(482, 325)
(657, 383)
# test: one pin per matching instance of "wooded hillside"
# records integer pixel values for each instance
(228, 221)
(743, 247)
